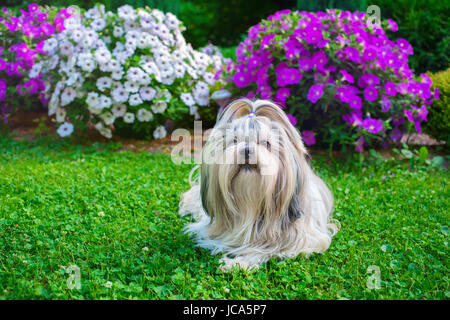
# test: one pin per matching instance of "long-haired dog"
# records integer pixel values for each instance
(257, 196)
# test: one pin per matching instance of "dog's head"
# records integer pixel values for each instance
(253, 166)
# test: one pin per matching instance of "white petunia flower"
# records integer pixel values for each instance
(118, 31)
(131, 86)
(66, 48)
(106, 132)
(117, 75)
(102, 55)
(65, 129)
(98, 24)
(87, 65)
(104, 102)
(60, 115)
(147, 93)
(143, 115)
(120, 95)
(134, 74)
(126, 12)
(108, 118)
(50, 45)
(104, 83)
(188, 99)
(92, 99)
(68, 95)
(159, 107)
(128, 117)
(135, 99)
(160, 132)
(209, 78)
(119, 110)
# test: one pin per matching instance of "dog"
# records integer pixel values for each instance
(256, 196)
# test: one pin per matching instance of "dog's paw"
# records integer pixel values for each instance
(228, 264)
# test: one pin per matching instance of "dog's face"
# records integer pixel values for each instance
(252, 168)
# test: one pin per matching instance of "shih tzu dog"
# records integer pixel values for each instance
(257, 196)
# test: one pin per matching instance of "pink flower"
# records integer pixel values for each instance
(315, 92)
(385, 104)
(308, 137)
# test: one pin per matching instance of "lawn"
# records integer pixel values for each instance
(114, 215)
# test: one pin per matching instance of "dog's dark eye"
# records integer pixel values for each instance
(265, 144)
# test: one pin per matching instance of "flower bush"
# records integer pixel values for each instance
(21, 44)
(339, 77)
(131, 70)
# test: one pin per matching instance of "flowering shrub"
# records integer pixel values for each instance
(131, 70)
(22, 40)
(340, 78)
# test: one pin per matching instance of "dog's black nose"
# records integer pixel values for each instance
(247, 152)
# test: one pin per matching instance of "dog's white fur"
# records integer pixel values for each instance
(275, 206)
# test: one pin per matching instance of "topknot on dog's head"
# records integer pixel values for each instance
(261, 108)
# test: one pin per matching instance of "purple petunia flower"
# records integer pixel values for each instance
(319, 60)
(308, 137)
(286, 76)
(368, 80)
(390, 88)
(315, 92)
(292, 119)
(392, 25)
(282, 94)
(385, 103)
(347, 76)
(370, 93)
(305, 64)
(373, 125)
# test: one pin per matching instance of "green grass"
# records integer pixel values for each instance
(51, 193)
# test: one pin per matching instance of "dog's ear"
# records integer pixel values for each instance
(234, 110)
(273, 112)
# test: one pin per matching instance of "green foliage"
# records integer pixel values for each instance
(438, 124)
(52, 194)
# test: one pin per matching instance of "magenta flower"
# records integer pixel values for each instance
(292, 119)
(396, 134)
(319, 60)
(282, 94)
(392, 25)
(315, 92)
(370, 93)
(241, 79)
(368, 80)
(347, 76)
(354, 118)
(305, 64)
(436, 93)
(308, 137)
(404, 46)
(373, 125)
(355, 102)
(390, 88)
(385, 104)
(286, 76)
